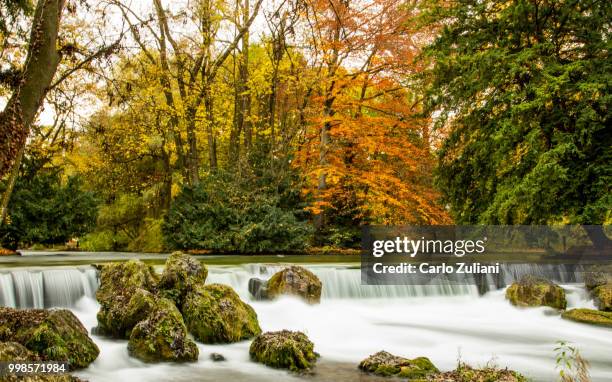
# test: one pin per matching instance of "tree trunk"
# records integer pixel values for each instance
(598, 236)
(40, 67)
(245, 95)
(210, 120)
(6, 197)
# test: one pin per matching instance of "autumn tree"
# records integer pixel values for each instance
(365, 143)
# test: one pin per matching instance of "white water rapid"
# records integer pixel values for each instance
(444, 323)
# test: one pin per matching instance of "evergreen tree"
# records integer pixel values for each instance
(521, 92)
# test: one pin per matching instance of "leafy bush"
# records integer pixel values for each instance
(45, 210)
(223, 214)
(105, 240)
(150, 238)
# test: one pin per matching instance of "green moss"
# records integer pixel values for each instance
(215, 314)
(533, 291)
(589, 316)
(54, 335)
(603, 297)
(16, 352)
(284, 349)
(162, 336)
(297, 281)
(181, 274)
(386, 364)
(124, 296)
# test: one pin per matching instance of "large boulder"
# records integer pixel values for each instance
(53, 335)
(589, 316)
(386, 364)
(284, 349)
(125, 296)
(215, 314)
(536, 291)
(162, 336)
(181, 275)
(297, 281)
(603, 297)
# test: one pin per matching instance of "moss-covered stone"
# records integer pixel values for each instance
(284, 349)
(386, 364)
(603, 297)
(125, 296)
(535, 291)
(215, 314)
(54, 335)
(465, 373)
(589, 316)
(297, 281)
(181, 274)
(16, 352)
(162, 336)
(597, 275)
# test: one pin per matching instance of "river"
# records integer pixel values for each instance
(443, 322)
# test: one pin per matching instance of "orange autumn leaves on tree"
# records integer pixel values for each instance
(364, 136)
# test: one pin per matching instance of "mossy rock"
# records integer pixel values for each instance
(386, 364)
(603, 297)
(119, 318)
(16, 352)
(597, 275)
(215, 314)
(284, 349)
(125, 296)
(54, 335)
(181, 275)
(535, 291)
(162, 336)
(466, 373)
(297, 281)
(589, 316)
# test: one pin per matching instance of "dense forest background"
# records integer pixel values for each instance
(267, 125)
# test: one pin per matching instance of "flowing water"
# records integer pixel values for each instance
(443, 322)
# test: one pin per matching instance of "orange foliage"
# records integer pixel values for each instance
(364, 134)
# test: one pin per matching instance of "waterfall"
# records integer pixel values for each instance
(35, 288)
(63, 287)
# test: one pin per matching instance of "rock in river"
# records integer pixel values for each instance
(215, 314)
(53, 335)
(162, 336)
(589, 316)
(535, 291)
(284, 349)
(181, 275)
(386, 364)
(125, 296)
(293, 280)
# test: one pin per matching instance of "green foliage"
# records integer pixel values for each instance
(101, 241)
(124, 225)
(572, 367)
(223, 214)
(43, 209)
(150, 237)
(522, 91)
